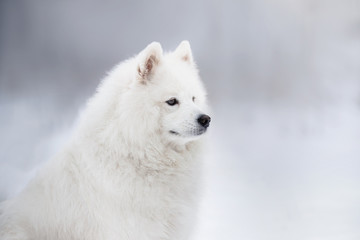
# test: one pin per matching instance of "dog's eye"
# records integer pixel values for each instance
(193, 99)
(172, 101)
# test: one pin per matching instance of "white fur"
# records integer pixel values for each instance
(123, 175)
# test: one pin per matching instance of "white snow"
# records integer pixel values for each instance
(282, 173)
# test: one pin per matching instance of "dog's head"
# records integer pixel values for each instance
(172, 83)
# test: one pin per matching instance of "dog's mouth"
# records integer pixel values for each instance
(195, 132)
(174, 133)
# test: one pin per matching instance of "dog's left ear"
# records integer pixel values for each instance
(149, 58)
(183, 51)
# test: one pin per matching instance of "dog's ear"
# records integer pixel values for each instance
(183, 51)
(149, 58)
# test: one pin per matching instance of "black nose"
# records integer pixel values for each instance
(204, 120)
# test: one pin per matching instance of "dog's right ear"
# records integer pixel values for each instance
(149, 58)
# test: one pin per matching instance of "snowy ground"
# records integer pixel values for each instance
(270, 172)
(277, 173)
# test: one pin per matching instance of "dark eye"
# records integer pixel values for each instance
(193, 98)
(172, 101)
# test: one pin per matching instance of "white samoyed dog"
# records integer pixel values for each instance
(131, 168)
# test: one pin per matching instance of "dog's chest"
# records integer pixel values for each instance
(151, 208)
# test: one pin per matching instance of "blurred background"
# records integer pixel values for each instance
(283, 79)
